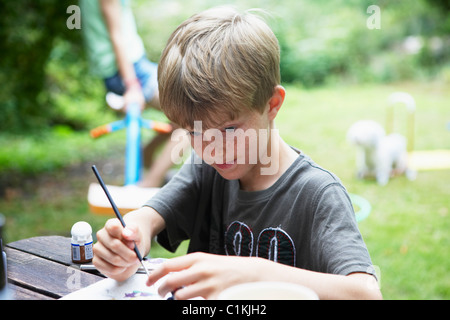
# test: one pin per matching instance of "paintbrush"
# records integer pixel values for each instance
(118, 215)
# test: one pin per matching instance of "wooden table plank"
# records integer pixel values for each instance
(54, 248)
(19, 293)
(44, 276)
(42, 268)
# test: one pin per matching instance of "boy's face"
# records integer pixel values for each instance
(234, 148)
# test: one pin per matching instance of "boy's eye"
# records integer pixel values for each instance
(230, 129)
(195, 133)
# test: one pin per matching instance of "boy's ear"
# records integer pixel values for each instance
(276, 101)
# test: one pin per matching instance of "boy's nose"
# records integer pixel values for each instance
(213, 152)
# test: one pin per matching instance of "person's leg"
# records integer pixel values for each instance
(156, 174)
(147, 74)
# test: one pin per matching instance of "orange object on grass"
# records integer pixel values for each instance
(99, 131)
(162, 127)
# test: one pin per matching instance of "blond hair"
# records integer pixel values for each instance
(217, 64)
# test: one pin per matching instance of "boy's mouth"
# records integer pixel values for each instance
(226, 165)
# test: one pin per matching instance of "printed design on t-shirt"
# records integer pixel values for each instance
(239, 240)
(273, 243)
(276, 245)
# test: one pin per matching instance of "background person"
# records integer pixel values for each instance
(117, 55)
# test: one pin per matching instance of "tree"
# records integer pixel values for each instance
(28, 30)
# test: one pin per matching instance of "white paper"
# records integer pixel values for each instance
(134, 288)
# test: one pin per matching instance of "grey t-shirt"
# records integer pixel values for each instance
(305, 219)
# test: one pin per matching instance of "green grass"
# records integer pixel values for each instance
(406, 232)
(43, 181)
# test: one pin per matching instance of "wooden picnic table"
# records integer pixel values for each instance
(41, 268)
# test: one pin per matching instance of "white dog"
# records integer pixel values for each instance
(378, 155)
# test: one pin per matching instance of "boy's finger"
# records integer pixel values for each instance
(172, 265)
(179, 280)
(157, 274)
(112, 271)
(127, 235)
(131, 233)
(122, 258)
(114, 228)
(192, 291)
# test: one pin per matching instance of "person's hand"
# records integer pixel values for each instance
(134, 94)
(114, 254)
(206, 275)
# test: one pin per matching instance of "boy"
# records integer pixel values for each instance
(256, 209)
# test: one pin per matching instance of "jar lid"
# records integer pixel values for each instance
(81, 230)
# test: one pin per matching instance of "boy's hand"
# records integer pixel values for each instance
(114, 254)
(206, 275)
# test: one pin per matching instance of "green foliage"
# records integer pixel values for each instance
(328, 41)
(23, 157)
(34, 32)
(323, 42)
(27, 33)
(77, 97)
(46, 81)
